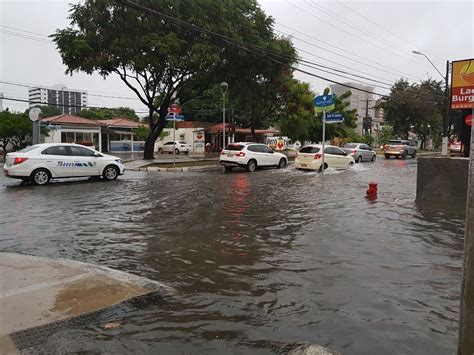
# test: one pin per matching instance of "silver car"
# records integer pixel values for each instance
(360, 152)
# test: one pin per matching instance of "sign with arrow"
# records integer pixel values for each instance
(335, 117)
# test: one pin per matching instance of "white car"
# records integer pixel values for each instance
(250, 156)
(42, 162)
(310, 158)
(179, 147)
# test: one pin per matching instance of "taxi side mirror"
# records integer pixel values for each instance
(96, 155)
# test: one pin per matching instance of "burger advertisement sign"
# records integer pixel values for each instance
(462, 84)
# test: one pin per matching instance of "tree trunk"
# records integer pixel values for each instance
(155, 130)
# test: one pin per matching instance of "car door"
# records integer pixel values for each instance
(365, 152)
(58, 160)
(85, 162)
(329, 158)
(271, 159)
(257, 154)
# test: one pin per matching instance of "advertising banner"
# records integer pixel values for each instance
(462, 84)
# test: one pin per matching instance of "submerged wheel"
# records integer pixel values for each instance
(227, 168)
(110, 173)
(40, 177)
(359, 159)
(251, 166)
(325, 168)
(387, 156)
(414, 155)
(373, 158)
(282, 164)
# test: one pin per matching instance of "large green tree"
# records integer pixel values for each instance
(417, 107)
(155, 57)
(15, 130)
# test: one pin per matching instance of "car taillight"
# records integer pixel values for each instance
(222, 152)
(241, 154)
(318, 156)
(19, 161)
(354, 151)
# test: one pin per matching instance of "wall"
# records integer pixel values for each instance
(442, 183)
(187, 135)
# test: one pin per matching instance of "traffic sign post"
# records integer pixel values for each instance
(335, 117)
(322, 104)
(34, 115)
(175, 111)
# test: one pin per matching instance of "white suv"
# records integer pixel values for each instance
(250, 156)
(42, 162)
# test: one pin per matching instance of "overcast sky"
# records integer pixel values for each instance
(373, 39)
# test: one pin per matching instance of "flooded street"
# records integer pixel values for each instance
(261, 262)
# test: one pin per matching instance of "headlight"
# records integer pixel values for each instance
(119, 161)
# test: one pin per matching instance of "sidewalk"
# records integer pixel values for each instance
(37, 291)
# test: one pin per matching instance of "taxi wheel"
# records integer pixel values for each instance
(40, 176)
(373, 158)
(359, 159)
(110, 172)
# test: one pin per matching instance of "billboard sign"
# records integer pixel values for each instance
(462, 84)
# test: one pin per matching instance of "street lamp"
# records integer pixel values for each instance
(444, 145)
(223, 86)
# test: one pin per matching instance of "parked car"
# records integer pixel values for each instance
(455, 147)
(42, 162)
(179, 147)
(360, 152)
(399, 148)
(310, 158)
(251, 156)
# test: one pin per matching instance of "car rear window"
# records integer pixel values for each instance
(28, 149)
(395, 142)
(310, 150)
(234, 147)
(350, 145)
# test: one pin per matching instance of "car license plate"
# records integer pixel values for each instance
(304, 165)
(230, 155)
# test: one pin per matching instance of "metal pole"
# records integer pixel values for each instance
(324, 139)
(466, 318)
(174, 139)
(444, 145)
(223, 120)
(35, 132)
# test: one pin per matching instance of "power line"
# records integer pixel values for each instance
(384, 41)
(11, 33)
(376, 24)
(21, 30)
(232, 41)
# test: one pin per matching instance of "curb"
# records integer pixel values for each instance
(182, 169)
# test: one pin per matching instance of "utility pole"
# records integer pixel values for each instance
(466, 318)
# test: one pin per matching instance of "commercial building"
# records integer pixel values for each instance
(362, 101)
(69, 101)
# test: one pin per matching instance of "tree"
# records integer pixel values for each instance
(15, 131)
(418, 107)
(105, 113)
(156, 58)
(47, 111)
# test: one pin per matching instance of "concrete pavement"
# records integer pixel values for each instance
(36, 291)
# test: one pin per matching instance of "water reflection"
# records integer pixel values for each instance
(261, 262)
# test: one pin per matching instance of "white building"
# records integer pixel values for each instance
(68, 100)
(362, 101)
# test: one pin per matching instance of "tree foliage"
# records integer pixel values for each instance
(417, 107)
(156, 58)
(105, 113)
(15, 130)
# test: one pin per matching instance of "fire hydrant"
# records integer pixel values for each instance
(372, 190)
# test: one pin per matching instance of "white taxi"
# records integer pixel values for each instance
(42, 162)
(310, 158)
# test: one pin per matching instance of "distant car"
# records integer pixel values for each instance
(360, 152)
(455, 147)
(310, 156)
(42, 162)
(179, 147)
(251, 156)
(400, 148)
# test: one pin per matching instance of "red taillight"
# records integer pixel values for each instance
(318, 156)
(222, 152)
(19, 161)
(354, 151)
(241, 154)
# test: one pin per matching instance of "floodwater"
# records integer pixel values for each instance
(261, 262)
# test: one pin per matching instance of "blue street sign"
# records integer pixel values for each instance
(324, 100)
(335, 117)
(174, 117)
